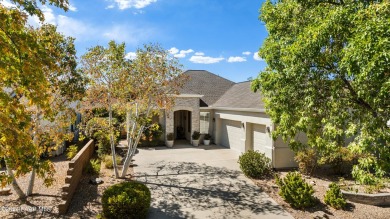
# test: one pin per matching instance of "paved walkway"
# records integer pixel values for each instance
(201, 182)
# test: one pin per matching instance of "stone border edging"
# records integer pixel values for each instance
(74, 173)
(379, 199)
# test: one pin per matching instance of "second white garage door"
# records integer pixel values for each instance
(259, 138)
(231, 135)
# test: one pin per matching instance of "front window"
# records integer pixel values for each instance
(204, 122)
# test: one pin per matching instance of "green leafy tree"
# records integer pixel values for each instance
(134, 88)
(153, 80)
(328, 76)
(37, 69)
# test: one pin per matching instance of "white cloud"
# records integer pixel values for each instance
(138, 4)
(131, 55)
(236, 59)
(110, 6)
(50, 17)
(75, 28)
(199, 54)
(256, 56)
(127, 33)
(247, 53)
(205, 59)
(180, 53)
(72, 8)
(183, 53)
(8, 4)
(173, 50)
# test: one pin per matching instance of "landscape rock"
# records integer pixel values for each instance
(320, 215)
(96, 181)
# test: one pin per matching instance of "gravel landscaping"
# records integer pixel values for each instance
(44, 200)
(321, 210)
(86, 202)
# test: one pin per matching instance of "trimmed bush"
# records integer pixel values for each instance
(128, 200)
(254, 164)
(307, 161)
(195, 135)
(334, 197)
(295, 191)
(108, 161)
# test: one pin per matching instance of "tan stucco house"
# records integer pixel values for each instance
(230, 112)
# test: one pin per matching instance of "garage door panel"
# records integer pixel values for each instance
(231, 135)
(259, 137)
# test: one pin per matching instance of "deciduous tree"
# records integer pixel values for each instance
(328, 75)
(37, 69)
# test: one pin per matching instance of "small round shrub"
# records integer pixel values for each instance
(295, 191)
(108, 161)
(254, 164)
(307, 161)
(334, 197)
(128, 200)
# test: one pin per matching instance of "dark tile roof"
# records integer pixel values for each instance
(205, 83)
(240, 96)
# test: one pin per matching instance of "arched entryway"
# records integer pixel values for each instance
(182, 124)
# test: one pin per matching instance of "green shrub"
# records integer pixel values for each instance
(93, 167)
(195, 135)
(254, 164)
(108, 161)
(98, 129)
(126, 200)
(71, 152)
(295, 191)
(307, 161)
(341, 159)
(207, 137)
(334, 197)
(152, 134)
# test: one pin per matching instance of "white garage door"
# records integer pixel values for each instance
(259, 137)
(231, 135)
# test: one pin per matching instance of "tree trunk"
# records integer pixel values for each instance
(14, 184)
(112, 138)
(31, 183)
(131, 151)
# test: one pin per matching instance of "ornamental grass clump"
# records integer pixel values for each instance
(334, 197)
(127, 200)
(295, 191)
(254, 164)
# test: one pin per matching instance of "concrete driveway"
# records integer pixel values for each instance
(201, 182)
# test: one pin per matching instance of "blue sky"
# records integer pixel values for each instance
(220, 36)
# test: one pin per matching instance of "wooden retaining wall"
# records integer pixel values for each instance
(74, 173)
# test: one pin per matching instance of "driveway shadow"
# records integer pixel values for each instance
(192, 190)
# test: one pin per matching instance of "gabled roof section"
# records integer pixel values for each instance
(205, 83)
(240, 95)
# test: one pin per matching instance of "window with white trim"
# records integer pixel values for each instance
(204, 122)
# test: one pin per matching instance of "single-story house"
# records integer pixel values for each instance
(230, 112)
